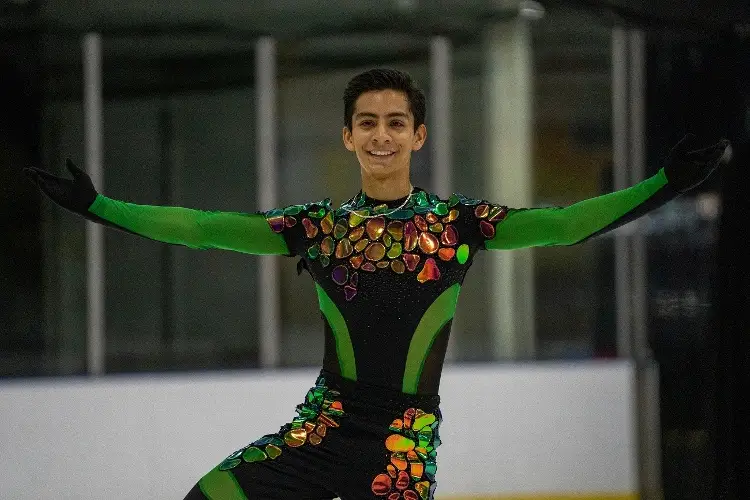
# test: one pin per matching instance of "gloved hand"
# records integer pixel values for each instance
(76, 195)
(686, 167)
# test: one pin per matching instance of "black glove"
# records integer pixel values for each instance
(686, 167)
(76, 195)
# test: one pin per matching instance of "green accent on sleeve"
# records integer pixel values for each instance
(567, 226)
(344, 347)
(239, 232)
(434, 319)
(221, 485)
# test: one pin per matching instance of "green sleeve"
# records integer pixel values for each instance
(239, 232)
(576, 223)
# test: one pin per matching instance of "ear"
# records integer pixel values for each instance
(420, 136)
(346, 135)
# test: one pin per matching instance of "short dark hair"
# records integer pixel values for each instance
(384, 79)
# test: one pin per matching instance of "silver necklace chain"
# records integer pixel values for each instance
(383, 214)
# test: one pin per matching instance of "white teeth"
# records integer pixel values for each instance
(381, 153)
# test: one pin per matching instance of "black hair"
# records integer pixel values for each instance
(384, 79)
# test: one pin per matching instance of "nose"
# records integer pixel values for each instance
(381, 134)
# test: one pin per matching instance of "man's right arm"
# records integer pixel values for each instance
(240, 232)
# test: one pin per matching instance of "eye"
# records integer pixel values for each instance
(397, 123)
(366, 123)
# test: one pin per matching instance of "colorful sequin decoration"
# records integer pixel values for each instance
(420, 233)
(315, 416)
(410, 473)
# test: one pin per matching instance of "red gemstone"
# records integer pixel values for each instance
(449, 237)
(402, 481)
(381, 485)
(311, 230)
(420, 223)
(369, 267)
(410, 236)
(411, 495)
(411, 260)
(290, 221)
(488, 230)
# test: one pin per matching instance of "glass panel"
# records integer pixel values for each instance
(575, 313)
(171, 307)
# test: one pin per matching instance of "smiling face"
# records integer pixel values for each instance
(383, 135)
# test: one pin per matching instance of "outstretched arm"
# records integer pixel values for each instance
(240, 232)
(683, 170)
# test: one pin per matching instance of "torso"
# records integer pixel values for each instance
(388, 285)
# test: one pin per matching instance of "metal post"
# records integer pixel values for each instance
(269, 307)
(440, 108)
(92, 136)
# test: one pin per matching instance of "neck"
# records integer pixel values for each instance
(388, 189)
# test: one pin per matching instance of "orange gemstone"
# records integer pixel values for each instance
(326, 246)
(315, 439)
(309, 426)
(428, 243)
(311, 230)
(429, 272)
(446, 254)
(343, 249)
(482, 211)
(398, 267)
(381, 485)
(410, 236)
(336, 405)
(326, 223)
(420, 223)
(411, 260)
(391, 470)
(431, 218)
(357, 233)
(396, 229)
(449, 236)
(321, 429)
(375, 227)
(375, 251)
(399, 460)
(356, 260)
(417, 469)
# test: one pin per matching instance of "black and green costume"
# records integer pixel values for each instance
(387, 281)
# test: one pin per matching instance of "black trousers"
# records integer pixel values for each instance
(348, 440)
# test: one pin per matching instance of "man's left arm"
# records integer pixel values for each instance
(683, 169)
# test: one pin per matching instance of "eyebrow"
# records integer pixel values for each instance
(397, 114)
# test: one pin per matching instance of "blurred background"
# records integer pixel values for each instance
(238, 106)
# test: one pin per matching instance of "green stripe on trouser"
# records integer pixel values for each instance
(221, 485)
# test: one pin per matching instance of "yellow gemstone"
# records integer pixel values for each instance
(326, 223)
(361, 245)
(396, 229)
(375, 251)
(295, 437)
(375, 227)
(343, 249)
(398, 267)
(355, 220)
(357, 233)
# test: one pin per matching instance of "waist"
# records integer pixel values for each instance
(378, 397)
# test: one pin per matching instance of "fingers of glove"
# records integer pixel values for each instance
(77, 172)
(40, 175)
(685, 144)
(711, 153)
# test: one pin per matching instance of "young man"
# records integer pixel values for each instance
(388, 266)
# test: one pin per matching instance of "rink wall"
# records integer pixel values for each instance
(531, 431)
